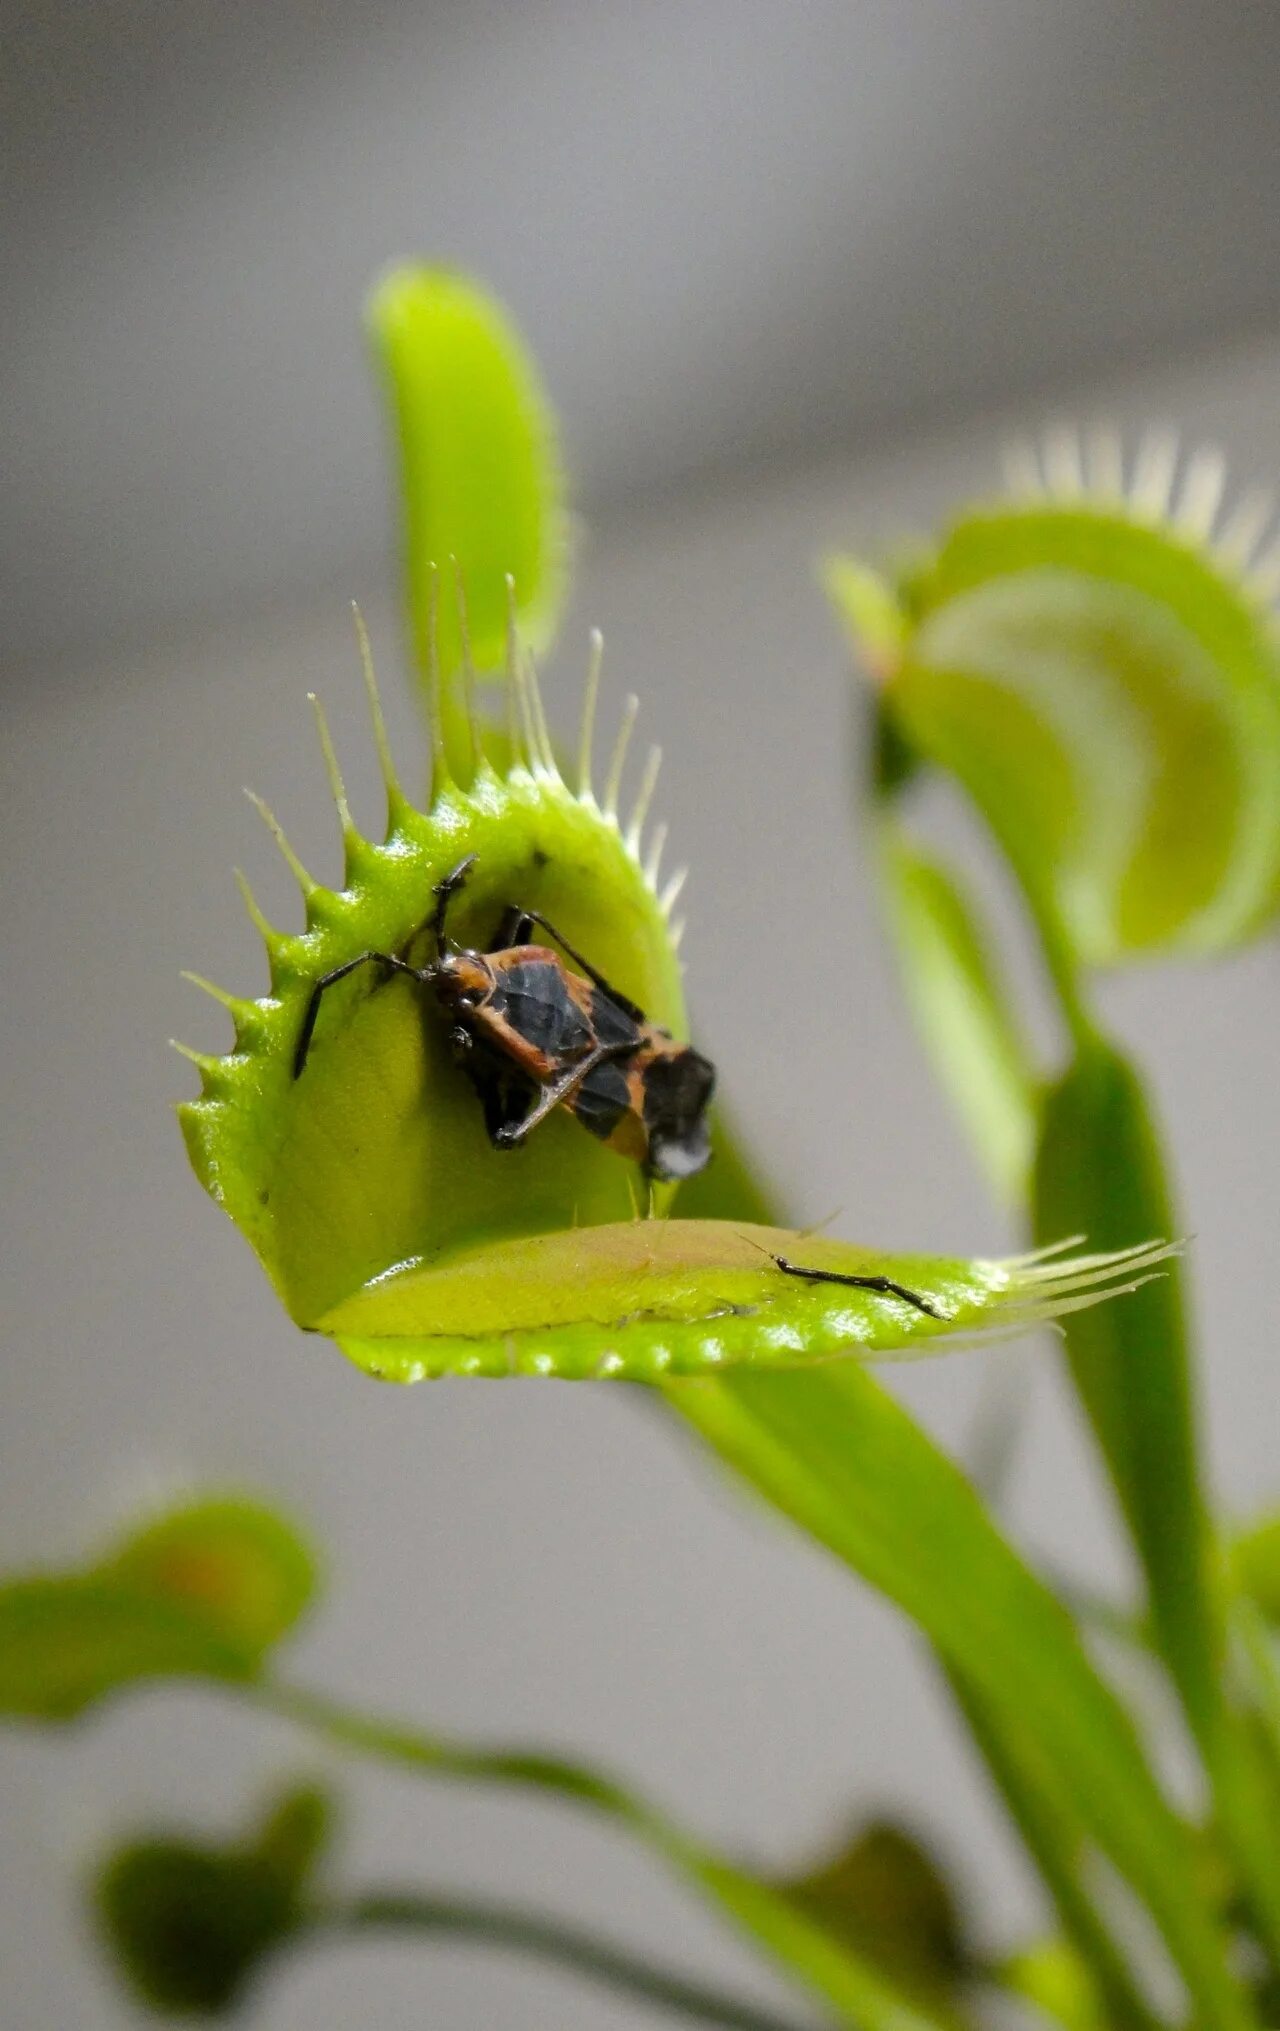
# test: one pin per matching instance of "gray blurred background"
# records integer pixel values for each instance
(793, 272)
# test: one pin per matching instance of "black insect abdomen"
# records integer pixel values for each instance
(677, 1088)
(602, 1099)
(534, 1000)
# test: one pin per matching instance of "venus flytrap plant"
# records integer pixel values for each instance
(368, 1186)
(1104, 688)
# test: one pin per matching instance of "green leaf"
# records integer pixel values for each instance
(962, 1011)
(886, 1895)
(1044, 1812)
(203, 1592)
(191, 1923)
(1103, 681)
(840, 1457)
(1099, 1169)
(1048, 1975)
(643, 1299)
(1254, 1556)
(233, 1563)
(68, 1642)
(872, 610)
(479, 468)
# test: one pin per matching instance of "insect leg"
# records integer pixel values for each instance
(386, 959)
(528, 917)
(513, 928)
(884, 1284)
(445, 891)
(559, 1090)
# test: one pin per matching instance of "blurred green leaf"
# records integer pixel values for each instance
(69, 1641)
(203, 1592)
(190, 1923)
(1052, 1829)
(840, 1457)
(962, 1010)
(1048, 1975)
(1099, 1172)
(885, 1894)
(479, 467)
(1107, 688)
(869, 605)
(234, 1564)
(1254, 1555)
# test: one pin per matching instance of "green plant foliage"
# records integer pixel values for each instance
(860, 1991)
(1102, 677)
(1254, 1557)
(479, 469)
(646, 1298)
(1098, 1166)
(385, 1219)
(191, 1923)
(1054, 1833)
(1099, 1163)
(1048, 1975)
(839, 1456)
(204, 1591)
(961, 1010)
(886, 1894)
(233, 1562)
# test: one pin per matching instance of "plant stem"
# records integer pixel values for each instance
(860, 1993)
(570, 1946)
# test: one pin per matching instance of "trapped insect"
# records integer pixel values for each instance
(883, 1284)
(533, 1035)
